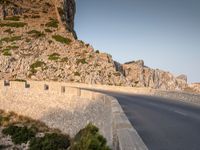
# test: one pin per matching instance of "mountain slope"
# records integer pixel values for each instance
(38, 42)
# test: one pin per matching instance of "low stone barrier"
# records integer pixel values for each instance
(70, 109)
(174, 95)
(182, 96)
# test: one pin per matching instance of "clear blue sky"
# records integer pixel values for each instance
(164, 33)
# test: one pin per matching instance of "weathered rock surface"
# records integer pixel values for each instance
(38, 42)
(140, 75)
(194, 87)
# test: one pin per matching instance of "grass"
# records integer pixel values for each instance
(13, 18)
(13, 24)
(6, 52)
(61, 39)
(36, 34)
(10, 39)
(36, 65)
(52, 23)
(54, 56)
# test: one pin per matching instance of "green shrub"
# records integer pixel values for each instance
(13, 24)
(28, 40)
(89, 139)
(48, 30)
(36, 34)
(54, 56)
(52, 23)
(36, 65)
(9, 31)
(82, 61)
(97, 51)
(3, 147)
(19, 135)
(35, 16)
(1, 119)
(13, 18)
(12, 47)
(65, 59)
(77, 74)
(6, 52)
(10, 39)
(61, 39)
(20, 80)
(51, 141)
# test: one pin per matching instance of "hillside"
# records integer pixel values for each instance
(38, 42)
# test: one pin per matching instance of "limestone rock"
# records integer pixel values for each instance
(38, 42)
(194, 87)
(140, 75)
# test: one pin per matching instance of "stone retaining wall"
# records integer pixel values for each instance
(70, 109)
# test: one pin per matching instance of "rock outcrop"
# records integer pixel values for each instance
(194, 87)
(38, 42)
(142, 76)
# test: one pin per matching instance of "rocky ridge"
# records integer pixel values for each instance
(38, 42)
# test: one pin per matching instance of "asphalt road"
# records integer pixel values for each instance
(163, 124)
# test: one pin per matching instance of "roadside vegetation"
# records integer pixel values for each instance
(36, 135)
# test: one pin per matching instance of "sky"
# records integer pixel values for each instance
(163, 33)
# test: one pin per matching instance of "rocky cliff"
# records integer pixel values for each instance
(38, 42)
(193, 88)
(142, 76)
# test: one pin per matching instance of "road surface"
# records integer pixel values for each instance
(163, 124)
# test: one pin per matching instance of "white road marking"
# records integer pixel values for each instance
(180, 112)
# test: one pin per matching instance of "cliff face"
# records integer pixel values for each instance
(142, 76)
(66, 12)
(38, 42)
(64, 9)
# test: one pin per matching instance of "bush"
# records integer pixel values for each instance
(89, 139)
(12, 47)
(51, 141)
(48, 30)
(9, 31)
(65, 59)
(97, 51)
(36, 34)
(52, 23)
(19, 135)
(54, 56)
(13, 24)
(35, 65)
(61, 39)
(77, 74)
(1, 119)
(13, 18)
(82, 61)
(11, 39)
(6, 52)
